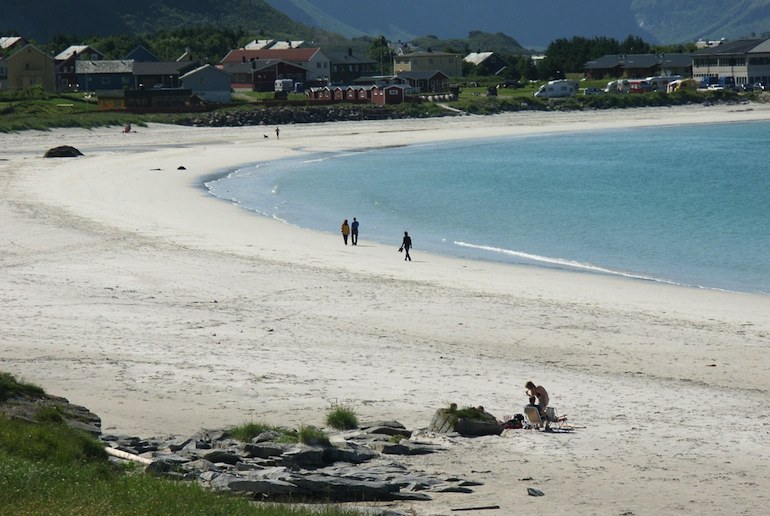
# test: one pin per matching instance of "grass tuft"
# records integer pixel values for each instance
(312, 435)
(342, 417)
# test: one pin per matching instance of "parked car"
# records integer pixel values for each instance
(593, 91)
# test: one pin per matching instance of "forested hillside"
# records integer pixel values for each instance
(43, 19)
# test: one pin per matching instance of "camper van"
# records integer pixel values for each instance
(284, 85)
(559, 88)
(660, 82)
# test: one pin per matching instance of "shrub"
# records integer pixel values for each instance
(342, 418)
(9, 388)
(311, 435)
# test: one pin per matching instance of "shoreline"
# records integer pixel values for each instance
(128, 291)
(481, 252)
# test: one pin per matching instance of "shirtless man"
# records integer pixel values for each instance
(540, 393)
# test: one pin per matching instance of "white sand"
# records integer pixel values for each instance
(128, 289)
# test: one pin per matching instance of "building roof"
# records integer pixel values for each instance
(282, 45)
(295, 55)
(426, 54)
(739, 46)
(76, 49)
(259, 64)
(349, 57)
(10, 41)
(104, 66)
(477, 57)
(204, 68)
(422, 75)
(140, 53)
(163, 67)
(639, 61)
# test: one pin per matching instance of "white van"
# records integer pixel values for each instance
(559, 88)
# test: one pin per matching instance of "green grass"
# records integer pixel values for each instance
(342, 417)
(248, 431)
(312, 436)
(35, 109)
(10, 388)
(47, 468)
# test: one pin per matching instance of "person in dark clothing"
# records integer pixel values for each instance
(354, 232)
(406, 244)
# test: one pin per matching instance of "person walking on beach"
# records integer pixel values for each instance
(354, 232)
(277, 134)
(345, 231)
(406, 244)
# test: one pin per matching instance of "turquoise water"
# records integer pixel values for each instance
(687, 205)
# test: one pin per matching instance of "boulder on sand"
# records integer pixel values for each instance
(468, 422)
(63, 151)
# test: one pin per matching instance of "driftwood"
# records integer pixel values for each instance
(127, 456)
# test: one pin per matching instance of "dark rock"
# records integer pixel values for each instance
(264, 450)
(302, 456)
(466, 422)
(388, 430)
(404, 448)
(531, 491)
(63, 151)
(222, 456)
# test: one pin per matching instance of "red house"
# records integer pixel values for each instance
(389, 94)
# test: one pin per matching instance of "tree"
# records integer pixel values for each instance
(380, 52)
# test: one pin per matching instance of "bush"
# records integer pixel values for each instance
(311, 435)
(342, 418)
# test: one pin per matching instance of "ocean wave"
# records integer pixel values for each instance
(566, 263)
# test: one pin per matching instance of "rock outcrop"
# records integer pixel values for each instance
(357, 466)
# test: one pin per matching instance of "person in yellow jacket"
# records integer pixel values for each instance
(345, 231)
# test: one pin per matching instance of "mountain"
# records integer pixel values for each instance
(535, 23)
(43, 19)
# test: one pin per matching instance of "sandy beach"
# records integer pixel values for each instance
(128, 289)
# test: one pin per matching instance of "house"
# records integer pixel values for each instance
(142, 55)
(66, 75)
(30, 66)
(260, 75)
(390, 94)
(746, 60)
(428, 81)
(489, 61)
(346, 67)
(167, 100)
(639, 65)
(450, 64)
(104, 75)
(313, 60)
(209, 83)
(161, 74)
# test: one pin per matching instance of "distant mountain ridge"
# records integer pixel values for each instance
(533, 23)
(536, 23)
(43, 19)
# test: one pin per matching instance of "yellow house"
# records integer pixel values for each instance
(30, 66)
(450, 64)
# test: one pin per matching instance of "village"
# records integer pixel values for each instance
(141, 82)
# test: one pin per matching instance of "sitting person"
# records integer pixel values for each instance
(540, 393)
